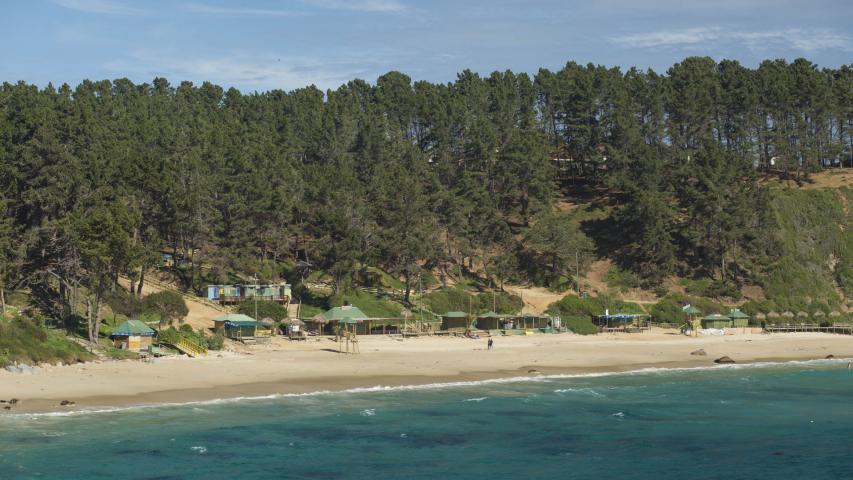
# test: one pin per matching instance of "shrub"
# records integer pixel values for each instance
(579, 325)
(170, 306)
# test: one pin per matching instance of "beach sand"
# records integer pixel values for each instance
(283, 367)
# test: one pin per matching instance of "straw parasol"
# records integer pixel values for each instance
(801, 314)
(293, 322)
(835, 314)
(772, 314)
(818, 313)
(788, 314)
(760, 316)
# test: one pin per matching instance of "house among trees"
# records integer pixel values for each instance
(239, 293)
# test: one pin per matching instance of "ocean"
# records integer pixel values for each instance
(780, 421)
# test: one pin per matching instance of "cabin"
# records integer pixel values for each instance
(491, 321)
(239, 293)
(237, 326)
(738, 318)
(456, 319)
(132, 335)
(716, 321)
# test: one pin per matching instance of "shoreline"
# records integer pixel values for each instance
(286, 369)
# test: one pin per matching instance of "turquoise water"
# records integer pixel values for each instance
(785, 421)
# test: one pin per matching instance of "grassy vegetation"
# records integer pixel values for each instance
(371, 305)
(571, 305)
(24, 340)
(816, 248)
(621, 279)
(456, 298)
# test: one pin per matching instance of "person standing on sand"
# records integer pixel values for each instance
(490, 343)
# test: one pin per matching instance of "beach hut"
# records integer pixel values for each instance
(490, 321)
(237, 326)
(739, 319)
(716, 321)
(455, 319)
(337, 314)
(132, 335)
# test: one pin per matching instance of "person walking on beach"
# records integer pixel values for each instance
(490, 343)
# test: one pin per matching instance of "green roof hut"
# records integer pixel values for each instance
(455, 319)
(739, 319)
(337, 314)
(237, 326)
(490, 321)
(716, 321)
(132, 335)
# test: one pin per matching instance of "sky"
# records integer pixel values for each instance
(260, 45)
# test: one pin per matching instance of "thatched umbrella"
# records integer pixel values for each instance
(802, 315)
(291, 322)
(788, 314)
(760, 316)
(772, 314)
(818, 314)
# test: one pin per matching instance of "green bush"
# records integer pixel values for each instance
(669, 308)
(169, 305)
(579, 325)
(622, 280)
(266, 309)
(215, 341)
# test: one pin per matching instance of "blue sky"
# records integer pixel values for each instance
(266, 44)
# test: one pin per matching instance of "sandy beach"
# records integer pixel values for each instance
(284, 367)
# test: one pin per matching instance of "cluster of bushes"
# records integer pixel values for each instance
(26, 340)
(167, 306)
(576, 313)
(265, 309)
(454, 298)
(669, 308)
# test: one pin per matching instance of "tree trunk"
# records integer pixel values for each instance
(89, 317)
(2, 301)
(408, 286)
(141, 281)
(132, 287)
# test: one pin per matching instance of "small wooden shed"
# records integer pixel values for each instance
(455, 319)
(716, 321)
(739, 319)
(132, 335)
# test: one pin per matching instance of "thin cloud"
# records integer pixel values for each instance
(244, 71)
(375, 6)
(793, 38)
(215, 10)
(107, 7)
